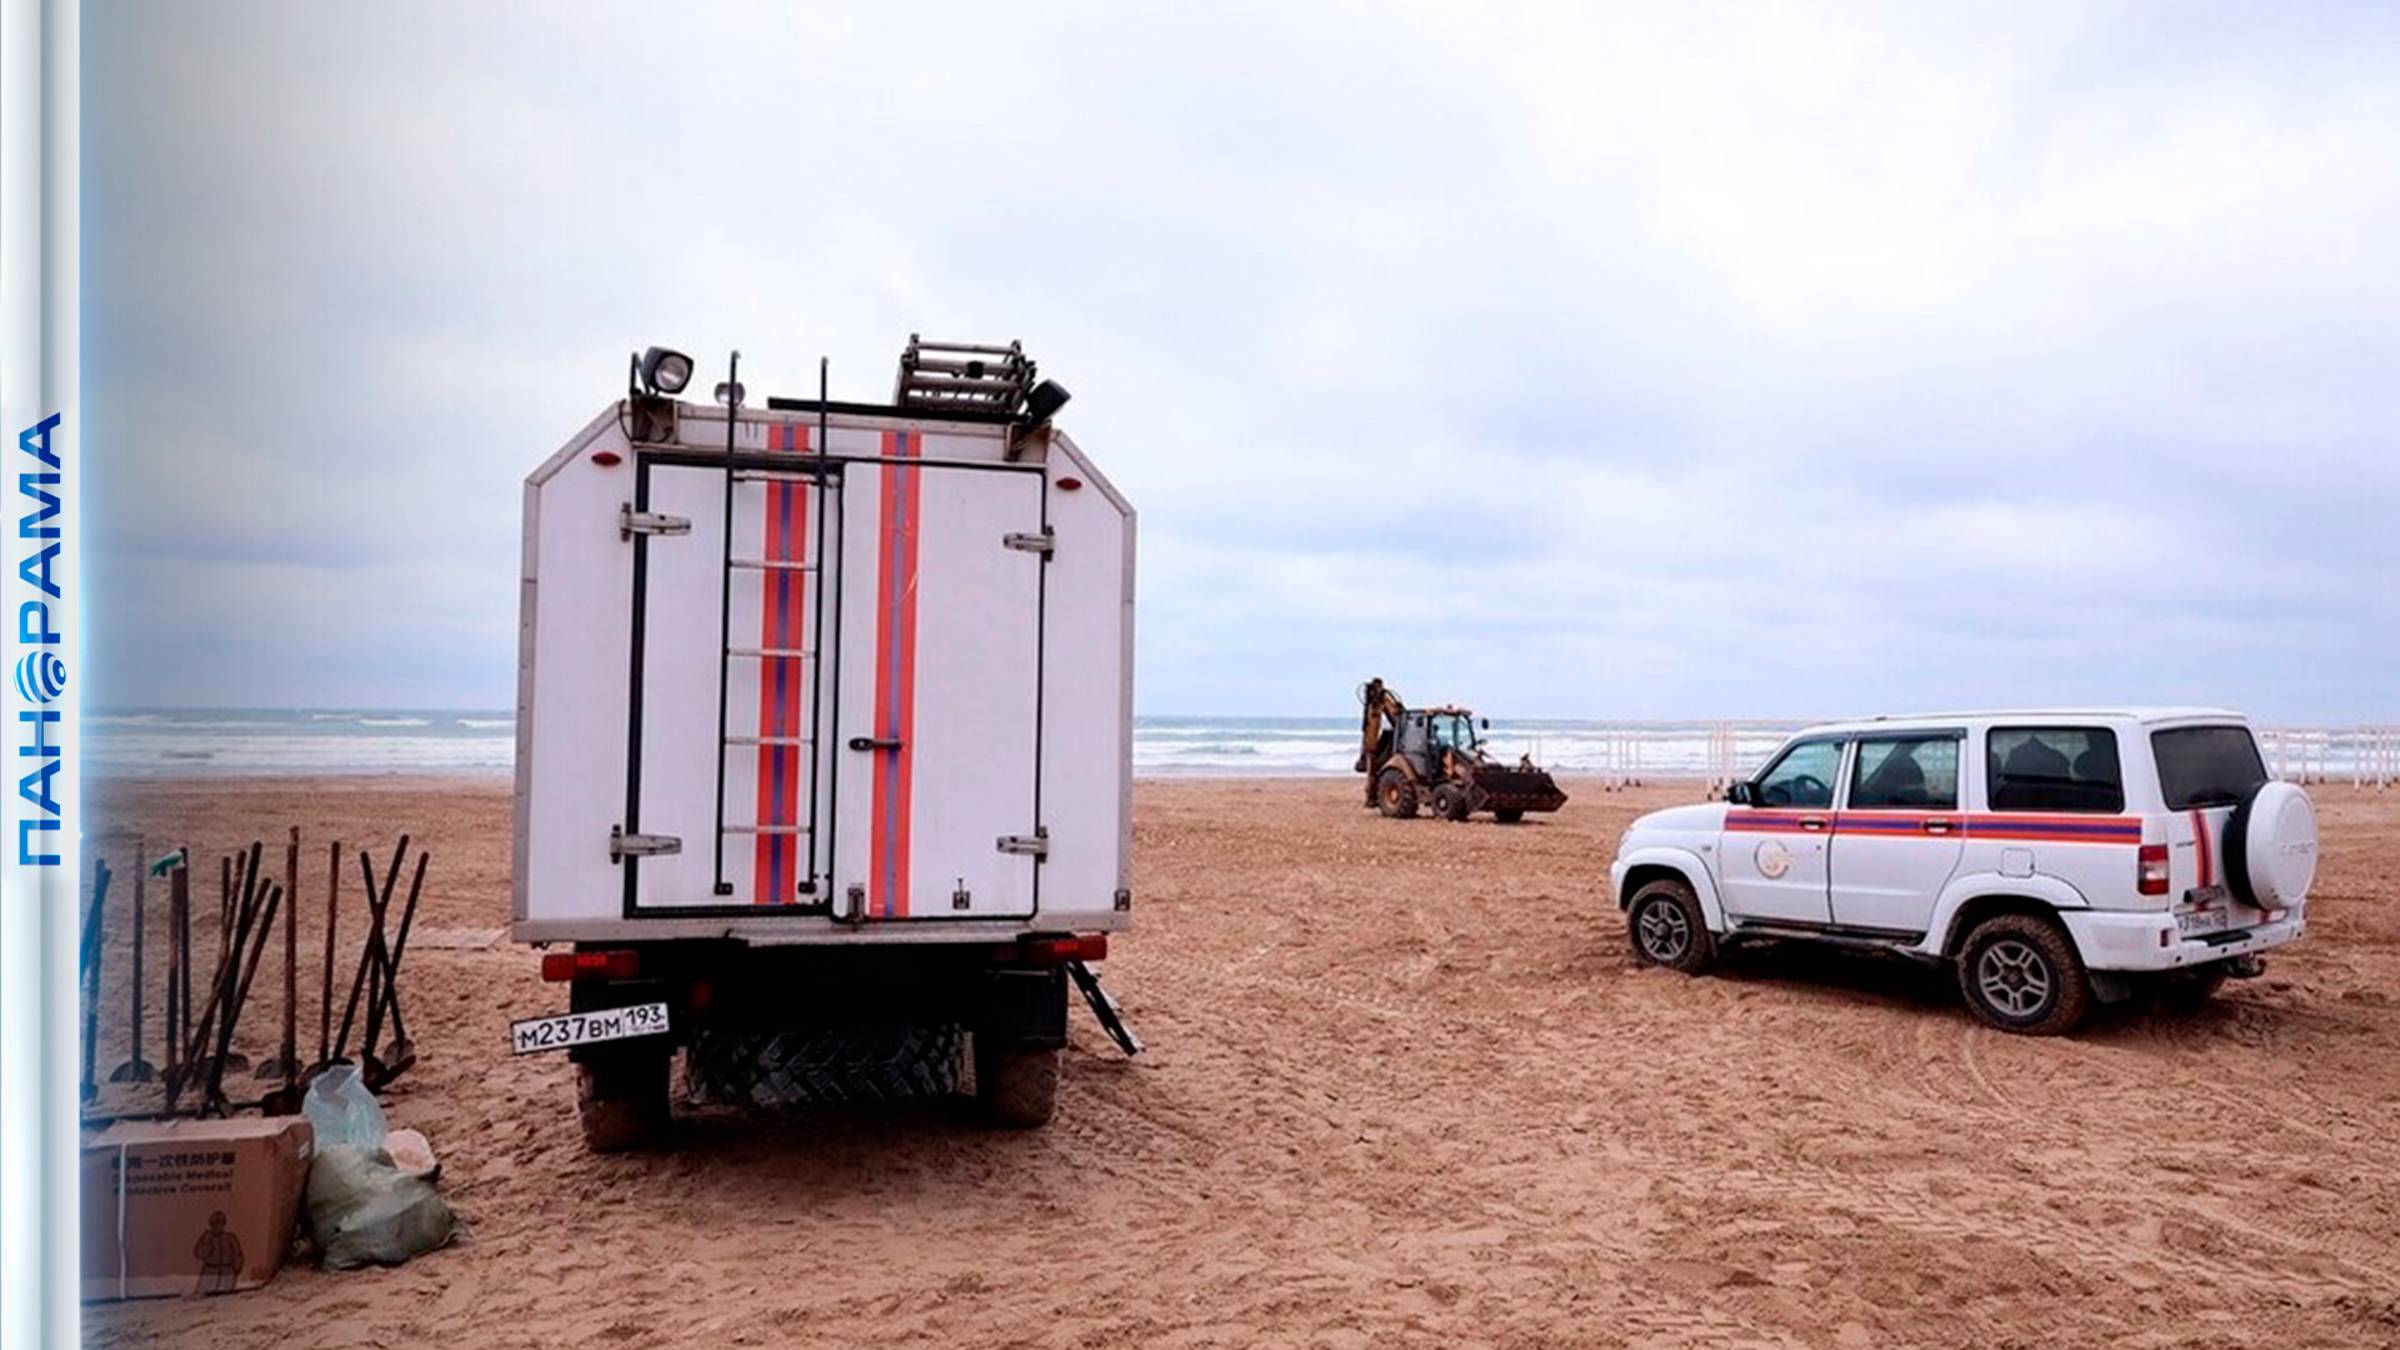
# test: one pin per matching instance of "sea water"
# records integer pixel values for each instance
(160, 742)
(178, 742)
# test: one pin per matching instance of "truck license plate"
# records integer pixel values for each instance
(2203, 921)
(536, 1034)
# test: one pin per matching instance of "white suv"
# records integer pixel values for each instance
(2054, 857)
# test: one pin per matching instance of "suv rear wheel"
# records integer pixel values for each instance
(1665, 927)
(2020, 973)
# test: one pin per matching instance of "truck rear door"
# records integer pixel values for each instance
(940, 669)
(726, 709)
(842, 695)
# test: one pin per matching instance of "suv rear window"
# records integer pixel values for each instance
(2206, 766)
(2054, 769)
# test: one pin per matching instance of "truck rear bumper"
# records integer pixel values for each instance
(2146, 940)
(796, 930)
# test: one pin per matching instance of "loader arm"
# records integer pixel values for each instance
(1380, 709)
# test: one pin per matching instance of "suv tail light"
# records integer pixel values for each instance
(2150, 873)
(560, 967)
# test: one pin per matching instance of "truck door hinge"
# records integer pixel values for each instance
(1034, 845)
(631, 522)
(622, 845)
(1044, 543)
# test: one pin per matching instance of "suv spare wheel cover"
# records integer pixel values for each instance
(2271, 846)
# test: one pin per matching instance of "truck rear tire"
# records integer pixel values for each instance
(622, 1103)
(1016, 1086)
(1396, 795)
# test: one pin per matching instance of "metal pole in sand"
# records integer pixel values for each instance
(285, 1065)
(137, 1069)
(333, 911)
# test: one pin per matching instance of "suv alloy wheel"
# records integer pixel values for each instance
(1665, 927)
(2020, 973)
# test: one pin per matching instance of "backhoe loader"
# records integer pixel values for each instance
(1434, 757)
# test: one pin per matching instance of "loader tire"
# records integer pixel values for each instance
(622, 1103)
(1016, 1086)
(1508, 815)
(1396, 795)
(1450, 802)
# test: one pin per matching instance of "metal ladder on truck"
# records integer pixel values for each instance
(811, 644)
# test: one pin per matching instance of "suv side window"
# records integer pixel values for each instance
(2054, 769)
(1906, 773)
(1802, 776)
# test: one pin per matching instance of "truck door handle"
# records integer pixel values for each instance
(1812, 822)
(1940, 826)
(874, 742)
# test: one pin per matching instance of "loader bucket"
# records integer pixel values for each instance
(1518, 789)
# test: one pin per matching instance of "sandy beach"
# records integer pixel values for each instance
(1404, 1087)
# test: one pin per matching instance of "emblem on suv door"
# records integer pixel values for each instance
(1773, 859)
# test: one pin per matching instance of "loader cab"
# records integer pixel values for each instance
(1450, 730)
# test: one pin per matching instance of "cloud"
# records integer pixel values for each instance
(1573, 360)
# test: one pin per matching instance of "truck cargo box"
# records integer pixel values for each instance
(863, 677)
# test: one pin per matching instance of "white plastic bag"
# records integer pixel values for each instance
(342, 1111)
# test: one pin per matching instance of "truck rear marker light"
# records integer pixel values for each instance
(1055, 951)
(781, 628)
(560, 967)
(2150, 871)
(895, 676)
(1069, 483)
(607, 459)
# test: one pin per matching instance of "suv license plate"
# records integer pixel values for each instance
(2203, 921)
(537, 1034)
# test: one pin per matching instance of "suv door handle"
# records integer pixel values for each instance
(874, 742)
(1940, 826)
(1812, 822)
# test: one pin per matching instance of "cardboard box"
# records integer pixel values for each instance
(190, 1206)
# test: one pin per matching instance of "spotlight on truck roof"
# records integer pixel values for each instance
(665, 371)
(1044, 401)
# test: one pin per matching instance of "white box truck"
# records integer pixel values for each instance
(824, 741)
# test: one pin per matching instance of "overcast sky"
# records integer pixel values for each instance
(1655, 361)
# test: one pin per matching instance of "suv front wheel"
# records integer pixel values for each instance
(1665, 927)
(2020, 973)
